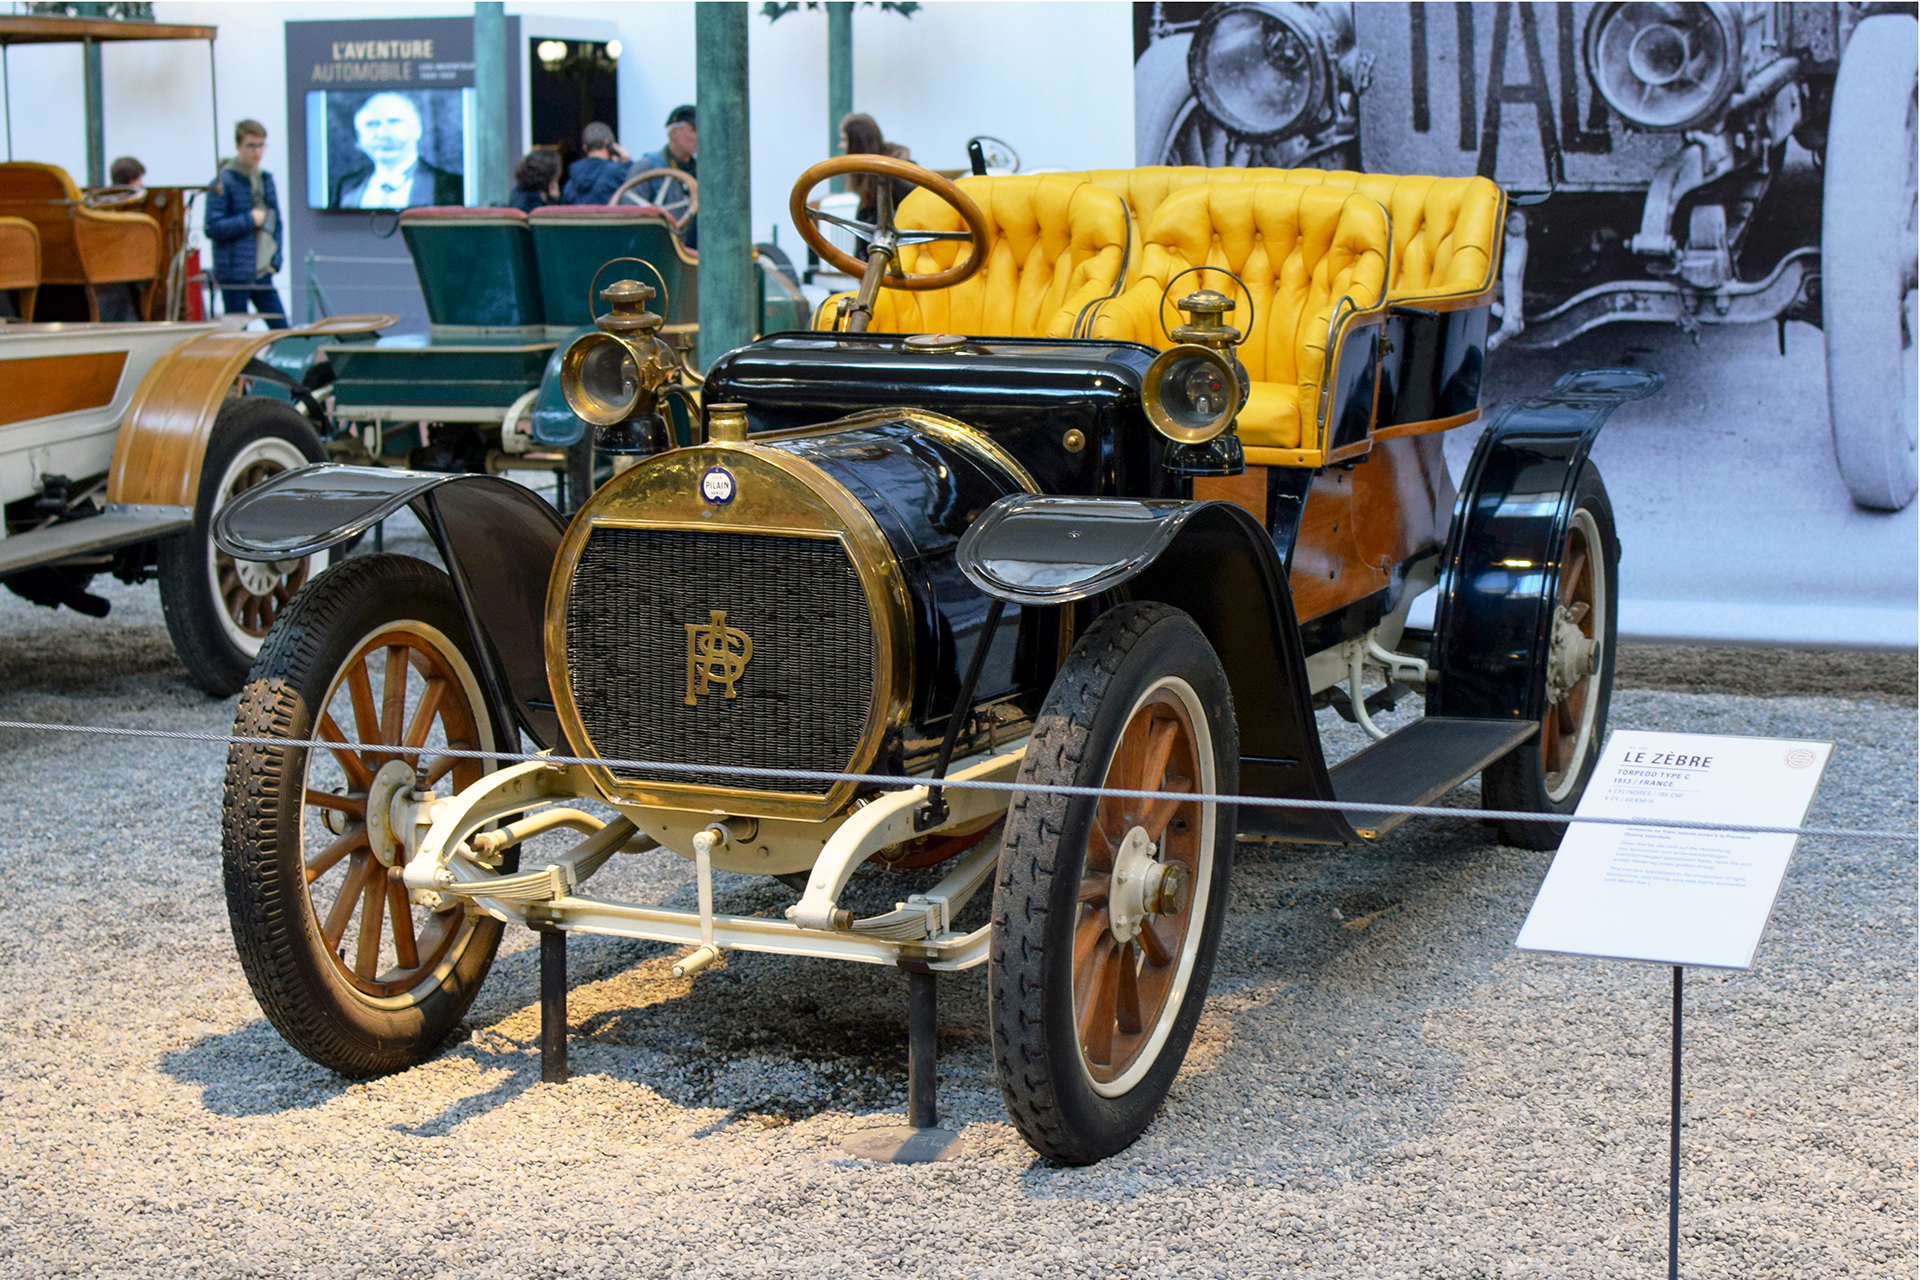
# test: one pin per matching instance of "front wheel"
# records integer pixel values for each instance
(1574, 677)
(1107, 913)
(1867, 262)
(348, 969)
(219, 609)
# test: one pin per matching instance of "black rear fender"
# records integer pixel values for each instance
(1492, 623)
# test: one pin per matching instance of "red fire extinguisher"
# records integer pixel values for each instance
(196, 290)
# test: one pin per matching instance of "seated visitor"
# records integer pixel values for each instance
(595, 176)
(536, 180)
(860, 136)
(127, 172)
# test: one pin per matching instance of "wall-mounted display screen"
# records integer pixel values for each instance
(389, 148)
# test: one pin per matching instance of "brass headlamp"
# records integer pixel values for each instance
(612, 379)
(1194, 391)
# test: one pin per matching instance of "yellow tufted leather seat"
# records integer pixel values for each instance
(1056, 244)
(1446, 231)
(1299, 249)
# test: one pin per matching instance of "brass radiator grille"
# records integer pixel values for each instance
(642, 640)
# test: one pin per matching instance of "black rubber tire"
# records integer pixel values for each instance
(1520, 780)
(1048, 1090)
(214, 659)
(275, 929)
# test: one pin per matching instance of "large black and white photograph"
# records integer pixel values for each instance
(1722, 192)
(388, 149)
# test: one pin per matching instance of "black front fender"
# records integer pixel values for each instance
(1494, 617)
(497, 539)
(1214, 562)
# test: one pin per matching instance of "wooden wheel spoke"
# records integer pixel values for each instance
(1161, 812)
(359, 776)
(1126, 1000)
(1124, 772)
(406, 949)
(366, 720)
(424, 715)
(1097, 1011)
(352, 806)
(366, 956)
(1158, 953)
(441, 766)
(1571, 571)
(1159, 750)
(354, 837)
(1577, 612)
(1093, 926)
(335, 927)
(393, 694)
(1095, 888)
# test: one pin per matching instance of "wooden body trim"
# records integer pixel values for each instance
(43, 386)
(163, 442)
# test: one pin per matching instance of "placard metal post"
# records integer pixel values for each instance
(1673, 1173)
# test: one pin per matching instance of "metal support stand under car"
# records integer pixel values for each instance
(921, 1139)
(553, 1003)
(1673, 1171)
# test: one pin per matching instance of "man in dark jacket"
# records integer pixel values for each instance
(681, 153)
(594, 178)
(387, 127)
(243, 221)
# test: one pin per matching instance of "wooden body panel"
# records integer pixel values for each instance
(161, 447)
(42, 386)
(1360, 522)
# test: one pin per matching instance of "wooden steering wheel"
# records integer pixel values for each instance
(679, 210)
(806, 220)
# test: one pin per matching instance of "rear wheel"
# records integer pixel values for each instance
(1868, 236)
(219, 609)
(1107, 913)
(1574, 678)
(350, 971)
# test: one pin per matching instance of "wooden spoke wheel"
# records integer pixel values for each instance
(218, 609)
(349, 968)
(399, 688)
(1107, 912)
(1573, 678)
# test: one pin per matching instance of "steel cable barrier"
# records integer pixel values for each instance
(901, 782)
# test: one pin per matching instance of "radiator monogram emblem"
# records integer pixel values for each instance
(717, 654)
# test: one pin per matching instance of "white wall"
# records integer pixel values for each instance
(1055, 79)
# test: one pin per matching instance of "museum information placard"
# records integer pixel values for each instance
(1667, 894)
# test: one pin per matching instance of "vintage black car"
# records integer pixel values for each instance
(1047, 531)
(1646, 145)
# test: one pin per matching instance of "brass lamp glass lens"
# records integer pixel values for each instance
(1191, 394)
(1664, 66)
(600, 380)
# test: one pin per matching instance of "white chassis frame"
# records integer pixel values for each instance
(450, 854)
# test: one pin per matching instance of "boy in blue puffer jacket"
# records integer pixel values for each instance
(243, 221)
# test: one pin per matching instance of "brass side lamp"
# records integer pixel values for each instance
(1193, 391)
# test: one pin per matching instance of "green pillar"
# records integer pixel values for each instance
(839, 73)
(96, 117)
(726, 178)
(492, 64)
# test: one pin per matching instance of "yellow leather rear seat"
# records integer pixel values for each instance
(1446, 231)
(1299, 249)
(1055, 245)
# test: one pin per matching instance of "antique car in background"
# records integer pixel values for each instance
(1025, 522)
(1646, 146)
(119, 438)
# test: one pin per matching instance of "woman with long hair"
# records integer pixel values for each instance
(860, 136)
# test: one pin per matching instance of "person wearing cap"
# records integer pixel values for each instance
(683, 145)
(594, 177)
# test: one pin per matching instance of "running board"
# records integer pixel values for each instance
(1413, 766)
(1419, 764)
(90, 536)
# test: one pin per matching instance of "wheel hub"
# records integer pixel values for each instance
(1570, 658)
(1142, 885)
(394, 781)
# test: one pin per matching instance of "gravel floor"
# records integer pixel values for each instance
(1393, 1093)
